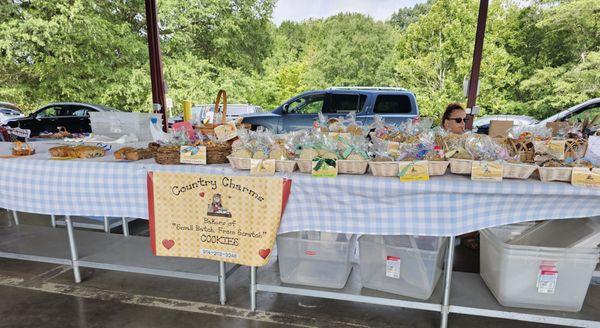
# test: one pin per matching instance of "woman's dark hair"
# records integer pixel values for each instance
(449, 109)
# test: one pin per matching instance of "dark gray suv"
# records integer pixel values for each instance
(393, 104)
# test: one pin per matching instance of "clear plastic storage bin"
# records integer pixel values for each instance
(404, 265)
(318, 259)
(547, 278)
(117, 124)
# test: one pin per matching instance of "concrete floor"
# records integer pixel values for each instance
(44, 295)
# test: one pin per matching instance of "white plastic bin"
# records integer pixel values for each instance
(318, 259)
(117, 124)
(404, 265)
(535, 277)
(570, 233)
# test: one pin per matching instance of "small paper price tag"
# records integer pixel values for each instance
(324, 168)
(486, 171)
(392, 267)
(226, 131)
(262, 167)
(192, 155)
(547, 277)
(414, 171)
(585, 177)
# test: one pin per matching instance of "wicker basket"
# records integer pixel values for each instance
(461, 166)
(167, 155)
(209, 128)
(304, 165)
(555, 173)
(240, 163)
(218, 154)
(286, 166)
(384, 169)
(523, 148)
(517, 171)
(352, 167)
(438, 167)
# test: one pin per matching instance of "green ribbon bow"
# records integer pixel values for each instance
(351, 148)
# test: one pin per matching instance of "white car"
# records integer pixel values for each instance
(9, 112)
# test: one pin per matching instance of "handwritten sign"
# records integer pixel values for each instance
(224, 218)
(486, 171)
(226, 131)
(556, 149)
(585, 177)
(192, 155)
(262, 167)
(414, 171)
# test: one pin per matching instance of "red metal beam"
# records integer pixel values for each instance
(156, 73)
(477, 52)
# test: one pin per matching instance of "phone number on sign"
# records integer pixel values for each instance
(212, 252)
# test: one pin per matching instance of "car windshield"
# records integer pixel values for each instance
(8, 111)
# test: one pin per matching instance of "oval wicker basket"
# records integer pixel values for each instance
(517, 171)
(239, 163)
(438, 167)
(286, 166)
(304, 165)
(167, 155)
(384, 169)
(352, 167)
(461, 166)
(555, 173)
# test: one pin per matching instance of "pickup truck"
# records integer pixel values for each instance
(393, 104)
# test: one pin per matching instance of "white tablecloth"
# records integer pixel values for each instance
(447, 205)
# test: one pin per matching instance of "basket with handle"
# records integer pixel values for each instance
(209, 128)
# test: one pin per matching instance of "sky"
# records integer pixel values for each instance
(299, 10)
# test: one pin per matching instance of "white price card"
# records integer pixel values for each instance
(547, 277)
(392, 267)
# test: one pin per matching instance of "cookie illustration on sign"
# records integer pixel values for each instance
(216, 208)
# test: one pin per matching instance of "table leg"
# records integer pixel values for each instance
(222, 279)
(253, 289)
(53, 220)
(447, 282)
(15, 217)
(106, 227)
(125, 227)
(73, 246)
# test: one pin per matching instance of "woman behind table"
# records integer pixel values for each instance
(453, 121)
(454, 118)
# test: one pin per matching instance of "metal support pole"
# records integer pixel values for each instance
(106, 227)
(125, 227)
(15, 217)
(73, 246)
(53, 220)
(447, 282)
(156, 73)
(222, 279)
(477, 52)
(252, 289)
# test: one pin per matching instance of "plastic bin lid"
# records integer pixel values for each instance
(569, 233)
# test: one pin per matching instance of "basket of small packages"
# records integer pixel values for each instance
(180, 147)
(396, 147)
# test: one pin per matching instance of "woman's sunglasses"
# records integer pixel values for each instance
(458, 120)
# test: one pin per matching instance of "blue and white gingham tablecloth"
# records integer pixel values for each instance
(447, 205)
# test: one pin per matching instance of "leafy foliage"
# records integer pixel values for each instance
(538, 58)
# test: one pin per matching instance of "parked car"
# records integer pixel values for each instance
(572, 114)
(393, 104)
(482, 124)
(73, 116)
(9, 112)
